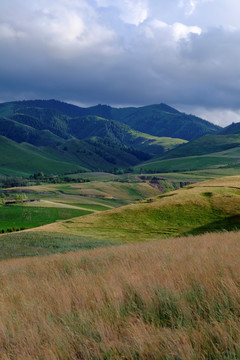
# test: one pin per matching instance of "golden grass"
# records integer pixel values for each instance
(170, 299)
(228, 181)
(110, 189)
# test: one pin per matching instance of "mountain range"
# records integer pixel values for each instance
(56, 137)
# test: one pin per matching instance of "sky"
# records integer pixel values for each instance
(185, 53)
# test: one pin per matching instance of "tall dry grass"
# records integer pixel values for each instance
(172, 299)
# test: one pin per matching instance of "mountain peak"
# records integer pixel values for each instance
(167, 108)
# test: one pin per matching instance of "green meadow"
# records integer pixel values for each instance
(39, 244)
(24, 217)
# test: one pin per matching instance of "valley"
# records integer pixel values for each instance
(119, 233)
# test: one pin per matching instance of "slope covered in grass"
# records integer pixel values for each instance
(94, 126)
(21, 132)
(92, 154)
(234, 128)
(163, 120)
(221, 160)
(207, 144)
(24, 159)
(169, 299)
(194, 209)
(111, 193)
(17, 217)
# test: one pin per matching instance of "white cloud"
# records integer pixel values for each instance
(190, 6)
(134, 12)
(182, 31)
(218, 116)
(8, 32)
(169, 33)
(70, 28)
(131, 11)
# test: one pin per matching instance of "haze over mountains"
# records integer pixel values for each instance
(56, 137)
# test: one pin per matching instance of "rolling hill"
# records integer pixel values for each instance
(205, 145)
(219, 151)
(234, 128)
(207, 206)
(25, 159)
(94, 126)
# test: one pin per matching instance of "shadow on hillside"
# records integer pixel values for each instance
(228, 224)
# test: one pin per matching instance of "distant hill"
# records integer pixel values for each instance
(163, 120)
(207, 152)
(91, 125)
(96, 138)
(21, 132)
(158, 120)
(94, 153)
(205, 145)
(234, 128)
(25, 159)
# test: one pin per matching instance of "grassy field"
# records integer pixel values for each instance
(108, 194)
(192, 163)
(38, 244)
(25, 159)
(197, 175)
(17, 217)
(170, 299)
(147, 141)
(195, 209)
(206, 206)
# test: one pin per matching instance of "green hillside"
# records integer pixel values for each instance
(161, 120)
(24, 133)
(102, 154)
(85, 140)
(207, 206)
(205, 145)
(192, 163)
(104, 138)
(94, 126)
(234, 128)
(24, 159)
(158, 120)
(95, 153)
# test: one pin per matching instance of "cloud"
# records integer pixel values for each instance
(219, 116)
(190, 6)
(131, 11)
(7, 32)
(90, 51)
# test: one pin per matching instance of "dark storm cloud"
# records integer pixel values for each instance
(92, 52)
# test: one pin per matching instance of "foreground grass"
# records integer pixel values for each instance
(38, 244)
(172, 299)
